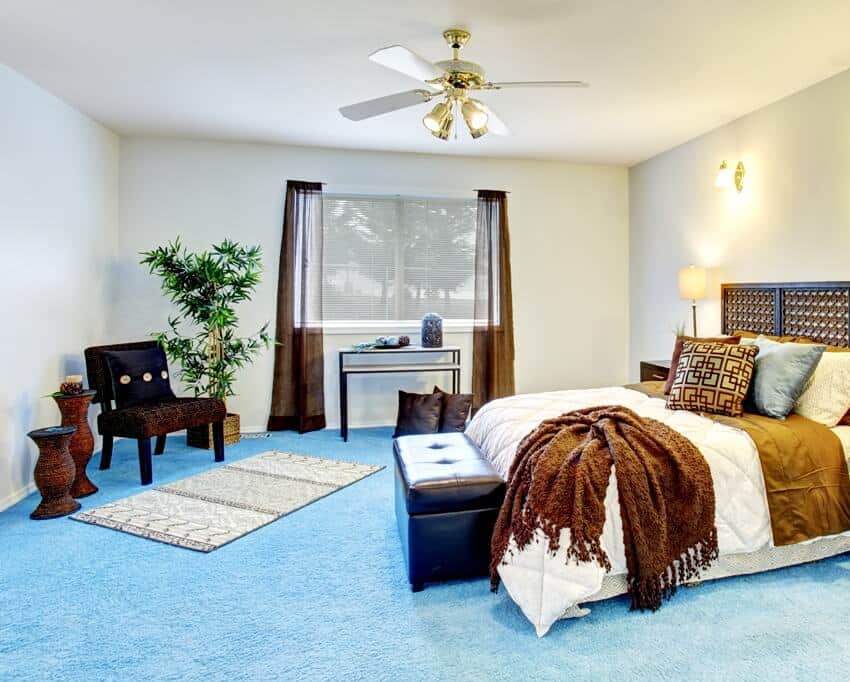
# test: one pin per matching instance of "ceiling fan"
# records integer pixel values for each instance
(451, 81)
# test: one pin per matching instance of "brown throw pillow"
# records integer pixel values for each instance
(418, 413)
(677, 351)
(712, 377)
(752, 335)
(456, 408)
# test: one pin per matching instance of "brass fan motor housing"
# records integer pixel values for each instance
(461, 74)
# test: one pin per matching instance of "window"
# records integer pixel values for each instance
(397, 258)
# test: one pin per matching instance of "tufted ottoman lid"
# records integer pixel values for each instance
(445, 472)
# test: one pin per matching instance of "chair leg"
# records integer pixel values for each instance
(106, 453)
(218, 440)
(160, 445)
(145, 463)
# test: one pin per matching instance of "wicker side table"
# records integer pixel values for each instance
(54, 472)
(75, 412)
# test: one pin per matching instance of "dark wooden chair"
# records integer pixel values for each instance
(147, 420)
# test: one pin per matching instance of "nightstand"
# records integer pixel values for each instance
(654, 370)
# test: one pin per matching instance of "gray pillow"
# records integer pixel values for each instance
(781, 373)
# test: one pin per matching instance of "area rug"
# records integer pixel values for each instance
(206, 511)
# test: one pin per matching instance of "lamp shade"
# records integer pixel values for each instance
(692, 283)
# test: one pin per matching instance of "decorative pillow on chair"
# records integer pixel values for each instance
(781, 373)
(712, 377)
(677, 351)
(138, 376)
(418, 413)
(456, 408)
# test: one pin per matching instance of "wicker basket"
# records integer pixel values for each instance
(201, 436)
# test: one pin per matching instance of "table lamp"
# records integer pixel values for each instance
(692, 287)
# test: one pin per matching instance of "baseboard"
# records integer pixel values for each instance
(330, 426)
(17, 495)
(252, 429)
(362, 425)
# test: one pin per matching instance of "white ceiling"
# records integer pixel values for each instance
(662, 71)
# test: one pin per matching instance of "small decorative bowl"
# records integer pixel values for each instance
(71, 387)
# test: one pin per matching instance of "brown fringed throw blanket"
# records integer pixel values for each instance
(559, 478)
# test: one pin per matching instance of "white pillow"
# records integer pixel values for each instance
(826, 397)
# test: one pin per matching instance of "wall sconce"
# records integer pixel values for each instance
(725, 179)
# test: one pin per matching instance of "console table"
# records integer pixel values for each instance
(451, 364)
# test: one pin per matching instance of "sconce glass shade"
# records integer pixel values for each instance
(724, 177)
(692, 283)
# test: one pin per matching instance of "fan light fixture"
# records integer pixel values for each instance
(450, 80)
(440, 119)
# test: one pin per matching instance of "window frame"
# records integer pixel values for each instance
(450, 325)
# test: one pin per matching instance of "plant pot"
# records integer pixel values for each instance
(202, 437)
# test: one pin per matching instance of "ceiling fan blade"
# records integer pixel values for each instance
(384, 105)
(538, 84)
(495, 125)
(404, 61)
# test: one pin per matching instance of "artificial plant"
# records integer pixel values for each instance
(205, 287)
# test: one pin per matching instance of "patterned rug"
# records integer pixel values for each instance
(206, 511)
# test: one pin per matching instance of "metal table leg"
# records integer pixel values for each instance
(343, 399)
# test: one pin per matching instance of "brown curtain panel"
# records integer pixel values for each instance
(493, 331)
(298, 389)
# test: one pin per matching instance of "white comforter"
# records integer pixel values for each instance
(545, 586)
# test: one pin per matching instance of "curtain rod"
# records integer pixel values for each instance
(324, 184)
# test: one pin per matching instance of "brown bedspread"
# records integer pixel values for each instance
(558, 480)
(804, 468)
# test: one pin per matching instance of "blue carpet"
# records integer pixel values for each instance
(321, 594)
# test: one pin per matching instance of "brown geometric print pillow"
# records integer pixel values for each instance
(677, 351)
(712, 377)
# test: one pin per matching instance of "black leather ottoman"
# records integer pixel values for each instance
(447, 498)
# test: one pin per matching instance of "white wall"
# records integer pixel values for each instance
(569, 233)
(58, 228)
(791, 222)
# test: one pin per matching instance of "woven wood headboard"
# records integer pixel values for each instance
(817, 310)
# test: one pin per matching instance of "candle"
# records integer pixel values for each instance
(74, 379)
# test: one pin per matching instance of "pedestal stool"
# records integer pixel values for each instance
(54, 472)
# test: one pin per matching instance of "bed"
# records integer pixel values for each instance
(546, 587)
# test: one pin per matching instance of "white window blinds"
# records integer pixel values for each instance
(397, 258)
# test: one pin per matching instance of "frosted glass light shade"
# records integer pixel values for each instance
(474, 114)
(435, 119)
(724, 177)
(692, 283)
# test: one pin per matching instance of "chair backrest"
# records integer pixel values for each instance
(98, 370)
